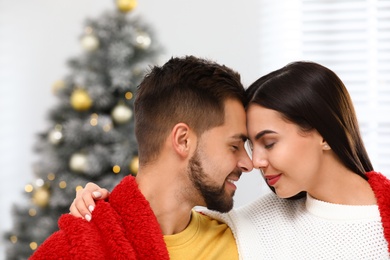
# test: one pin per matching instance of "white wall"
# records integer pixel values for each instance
(38, 37)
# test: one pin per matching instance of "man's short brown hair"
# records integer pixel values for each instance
(188, 90)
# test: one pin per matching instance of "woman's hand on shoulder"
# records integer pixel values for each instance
(84, 203)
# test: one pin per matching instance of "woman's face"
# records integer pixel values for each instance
(289, 158)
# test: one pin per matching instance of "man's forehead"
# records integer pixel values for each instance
(235, 116)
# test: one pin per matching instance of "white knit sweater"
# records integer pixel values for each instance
(273, 228)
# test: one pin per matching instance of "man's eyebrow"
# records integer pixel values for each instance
(241, 137)
(262, 133)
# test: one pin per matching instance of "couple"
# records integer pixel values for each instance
(192, 120)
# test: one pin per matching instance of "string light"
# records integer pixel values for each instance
(62, 184)
(33, 245)
(51, 176)
(28, 188)
(88, 30)
(94, 119)
(32, 212)
(107, 127)
(13, 239)
(128, 95)
(116, 169)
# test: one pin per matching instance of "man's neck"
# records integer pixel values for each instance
(172, 209)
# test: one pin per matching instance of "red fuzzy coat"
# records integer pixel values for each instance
(381, 187)
(123, 228)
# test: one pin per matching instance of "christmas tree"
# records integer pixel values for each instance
(91, 134)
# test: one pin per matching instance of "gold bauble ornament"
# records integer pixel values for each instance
(41, 197)
(80, 100)
(126, 5)
(134, 164)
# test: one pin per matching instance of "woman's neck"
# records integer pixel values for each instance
(340, 185)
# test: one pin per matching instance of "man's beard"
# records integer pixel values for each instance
(215, 197)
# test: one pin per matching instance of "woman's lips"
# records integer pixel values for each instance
(272, 179)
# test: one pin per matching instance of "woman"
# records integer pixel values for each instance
(305, 140)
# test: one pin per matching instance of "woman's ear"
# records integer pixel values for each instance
(325, 146)
(181, 139)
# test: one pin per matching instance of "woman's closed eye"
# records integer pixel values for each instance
(269, 145)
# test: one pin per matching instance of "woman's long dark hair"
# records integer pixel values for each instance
(313, 97)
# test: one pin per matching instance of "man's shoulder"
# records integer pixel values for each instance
(205, 218)
(210, 220)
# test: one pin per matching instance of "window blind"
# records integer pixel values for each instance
(351, 37)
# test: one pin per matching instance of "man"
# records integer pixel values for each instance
(190, 125)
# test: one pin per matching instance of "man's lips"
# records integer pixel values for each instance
(232, 179)
(272, 179)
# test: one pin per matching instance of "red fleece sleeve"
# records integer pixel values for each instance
(76, 239)
(54, 247)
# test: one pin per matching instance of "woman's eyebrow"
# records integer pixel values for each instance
(262, 133)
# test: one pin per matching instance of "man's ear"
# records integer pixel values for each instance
(181, 139)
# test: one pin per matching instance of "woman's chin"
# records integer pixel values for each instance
(284, 194)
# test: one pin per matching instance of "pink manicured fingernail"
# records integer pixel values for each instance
(96, 194)
(88, 217)
(91, 208)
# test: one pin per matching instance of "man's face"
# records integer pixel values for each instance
(220, 158)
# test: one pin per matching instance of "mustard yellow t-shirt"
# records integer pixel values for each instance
(204, 238)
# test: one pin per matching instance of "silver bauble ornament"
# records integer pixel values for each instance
(89, 42)
(55, 136)
(143, 40)
(121, 114)
(78, 162)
